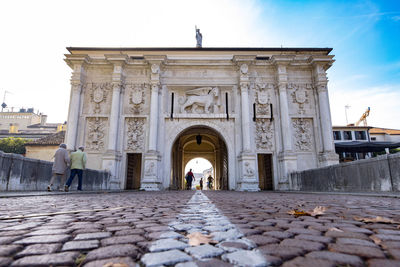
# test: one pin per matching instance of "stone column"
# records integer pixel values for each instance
(151, 180)
(287, 157)
(244, 95)
(247, 160)
(112, 157)
(328, 155)
(77, 80)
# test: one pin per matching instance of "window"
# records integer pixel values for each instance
(373, 138)
(337, 135)
(347, 135)
(360, 135)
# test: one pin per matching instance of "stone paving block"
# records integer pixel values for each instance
(383, 263)
(97, 235)
(130, 232)
(63, 259)
(307, 245)
(384, 237)
(125, 239)
(13, 233)
(5, 261)
(354, 241)
(395, 253)
(86, 231)
(158, 228)
(117, 262)
(308, 262)
(22, 226)
(315, 238)
(261, 240)
(163, 235)
(386, 231)
(338, 234)
(211, 263)
(81, 245)
(167, 244)
(246, 258)
(303, 231)
(231, 234)
(118, 228)
(285, 253)
(8, 239)
(232, 246)
(49, 232)
(165, 258)
(204, 251)
(280, 235)
(361, 251)
(338, 258)
(9, 250)
(112, 251)
(248, 232)
(43, 239)
(39, 249)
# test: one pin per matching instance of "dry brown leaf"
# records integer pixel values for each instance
(377, 219)
(318, 210)
(196, 239)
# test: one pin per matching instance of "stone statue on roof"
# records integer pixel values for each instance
(199, 38)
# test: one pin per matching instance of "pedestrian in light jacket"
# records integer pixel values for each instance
(60, 164)
(78, 162)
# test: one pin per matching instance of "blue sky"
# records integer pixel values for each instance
(364, 36)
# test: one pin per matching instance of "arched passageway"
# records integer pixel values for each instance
(203, 142)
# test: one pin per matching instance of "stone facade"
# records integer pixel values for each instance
(244, 101)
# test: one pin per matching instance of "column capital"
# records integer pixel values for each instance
(322, 87)
(244, 86)
(76, 86)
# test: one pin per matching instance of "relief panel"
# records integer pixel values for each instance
(97, 98)
(303, 134)
(96, 130)
(135, 134)
(264, 135)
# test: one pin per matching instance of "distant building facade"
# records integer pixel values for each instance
(45, 147)
(256, 114)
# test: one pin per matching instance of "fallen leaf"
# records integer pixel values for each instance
(377, 240)
(196, 239)
(318, 210)
(377, 219)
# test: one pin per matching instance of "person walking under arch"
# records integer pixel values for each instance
(189, 178)
(78, 162)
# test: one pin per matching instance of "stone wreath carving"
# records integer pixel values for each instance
(263, 98)
(135, 135)
(300, 95)
(303, 134)
(96, 133)
(264, 134)
(98, 94)
(136, 97)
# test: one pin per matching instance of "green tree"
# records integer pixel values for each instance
(13, 145)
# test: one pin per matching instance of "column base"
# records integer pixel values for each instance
(248, 180)
(328, 158)
(287, 163)
(150, 180)
(111, 162)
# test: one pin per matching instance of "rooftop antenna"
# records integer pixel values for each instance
(345, 112)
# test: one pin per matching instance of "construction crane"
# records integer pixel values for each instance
(364, 117)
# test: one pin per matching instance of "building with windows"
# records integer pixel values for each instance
(256, 114)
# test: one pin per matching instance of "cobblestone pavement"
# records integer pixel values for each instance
(151, 228)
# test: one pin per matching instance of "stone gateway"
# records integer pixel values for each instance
(257, 114)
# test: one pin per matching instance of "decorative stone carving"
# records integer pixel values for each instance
(96, 132)
(98, 94)
(300, 95)
(201, 100)
(136, 97)
(303, 134)
(149, 170)
(248, 170)
(264, 134)
(263, 98)
(155, 68)
(135, 134)
(244, 68)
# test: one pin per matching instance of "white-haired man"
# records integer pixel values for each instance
(60, 164)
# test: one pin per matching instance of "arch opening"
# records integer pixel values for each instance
(204, 143)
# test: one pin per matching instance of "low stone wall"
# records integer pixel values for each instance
(369, 175)
(18, 173)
